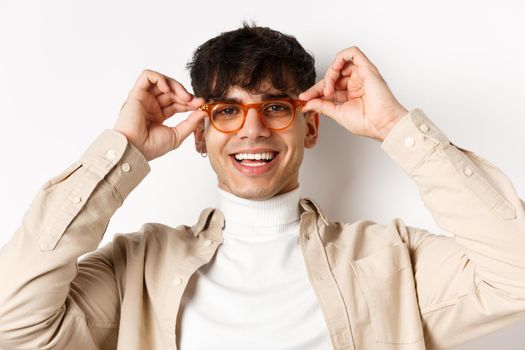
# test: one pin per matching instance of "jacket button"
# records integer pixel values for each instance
(207, 243)
(111, 154)
(467, 171)
(409, 142)
(177, 281)
(423, 127)
(126, 167)
(76, 199)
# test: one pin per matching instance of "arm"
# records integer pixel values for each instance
(47, 299)
(468, 285)
(474, 283)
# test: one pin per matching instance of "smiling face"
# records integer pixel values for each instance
(258, 178)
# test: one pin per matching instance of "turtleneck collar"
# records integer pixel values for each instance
(247, 218)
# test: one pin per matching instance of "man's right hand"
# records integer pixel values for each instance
(153, 99)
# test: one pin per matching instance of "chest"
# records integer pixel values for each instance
(252, 291)
(359, 301)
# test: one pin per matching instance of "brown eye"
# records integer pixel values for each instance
(227, 111)
(277, 108)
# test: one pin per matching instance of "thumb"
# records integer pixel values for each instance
(321, 106)
(185, 128)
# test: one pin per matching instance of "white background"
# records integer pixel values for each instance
(66, 68)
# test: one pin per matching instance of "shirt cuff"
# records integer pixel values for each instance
(412, 139)
(109, 158)
(113, 157)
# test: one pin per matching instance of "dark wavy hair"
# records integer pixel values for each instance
(247, 56)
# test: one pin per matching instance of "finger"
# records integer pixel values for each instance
(171, 104)
(141, 99)
(348, 70)
(342, 83)
(320, 106)
(342, 65)
(314, 91)
(317, 89)
(150, 78)
(168, 98)
(154, 89)
(333, 74)
(340, 96)
(186, 127)
(179, 90)
(170, 110)
(197, 101)
(352, 54)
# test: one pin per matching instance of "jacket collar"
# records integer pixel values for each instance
(212, 218)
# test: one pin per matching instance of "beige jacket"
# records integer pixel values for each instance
(379, 286)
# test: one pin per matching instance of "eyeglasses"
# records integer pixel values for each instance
(274, 114)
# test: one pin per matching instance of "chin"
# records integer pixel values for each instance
(253, 193)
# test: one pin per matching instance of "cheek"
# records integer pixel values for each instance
(295, 139)
(215, 143)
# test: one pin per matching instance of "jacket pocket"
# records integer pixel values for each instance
(388, 287)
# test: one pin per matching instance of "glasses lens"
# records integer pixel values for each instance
(227, 116)
(277, 114)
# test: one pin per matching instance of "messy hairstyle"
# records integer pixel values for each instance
(247, 56)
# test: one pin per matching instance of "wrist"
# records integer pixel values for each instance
(396, 117)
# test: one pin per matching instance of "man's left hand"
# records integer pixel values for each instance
(354, 94)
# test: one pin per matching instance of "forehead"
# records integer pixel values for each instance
(266, 90)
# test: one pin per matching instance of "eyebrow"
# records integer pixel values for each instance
(263, 97)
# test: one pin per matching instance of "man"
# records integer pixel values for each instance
(266, 269)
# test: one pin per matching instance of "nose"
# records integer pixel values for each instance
(253, 127)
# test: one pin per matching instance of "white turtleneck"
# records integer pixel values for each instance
(255, 293)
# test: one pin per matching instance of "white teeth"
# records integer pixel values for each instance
(254, 164)
(255, 156)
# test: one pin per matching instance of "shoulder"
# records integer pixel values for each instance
(367, 229)
(394, 226)
(363, 227)
(364, 237)
(357, 232)
(152, 236)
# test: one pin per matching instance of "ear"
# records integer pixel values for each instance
(199, 135)
(312, 128)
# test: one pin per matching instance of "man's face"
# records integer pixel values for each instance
(277, 176)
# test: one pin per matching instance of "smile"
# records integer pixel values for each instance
(265, 157)
(255, 163)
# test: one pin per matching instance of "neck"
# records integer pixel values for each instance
(245, 217)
